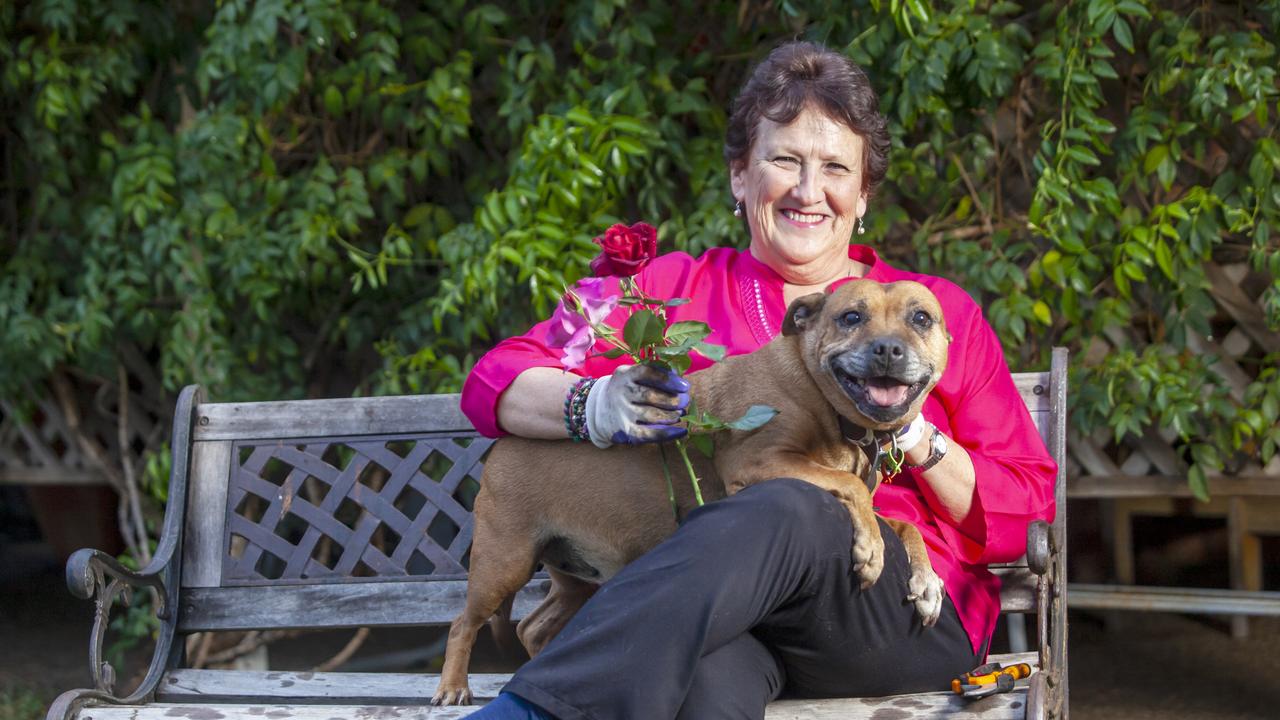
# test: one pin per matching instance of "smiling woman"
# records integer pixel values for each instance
(746, 599)
(802, 191)
(806, 147)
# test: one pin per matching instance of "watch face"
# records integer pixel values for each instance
(939, 444)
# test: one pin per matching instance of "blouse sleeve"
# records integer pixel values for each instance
(670, 275)
(498, 368)
(1013, 469)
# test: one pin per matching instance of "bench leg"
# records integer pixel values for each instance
(1017, 626)
(1244, 551)
(1118, 524)
(1037, 698)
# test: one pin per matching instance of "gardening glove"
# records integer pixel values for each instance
(637, 404)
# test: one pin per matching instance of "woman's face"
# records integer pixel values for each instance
(801, 188)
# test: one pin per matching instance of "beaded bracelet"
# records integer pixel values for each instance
(575, 409)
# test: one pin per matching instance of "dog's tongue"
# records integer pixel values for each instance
(886, 393)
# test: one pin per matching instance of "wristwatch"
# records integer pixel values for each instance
(937, 449)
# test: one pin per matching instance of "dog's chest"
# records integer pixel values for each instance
(846, 457)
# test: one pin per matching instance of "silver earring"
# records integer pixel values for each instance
(737, 209)
(861, 229)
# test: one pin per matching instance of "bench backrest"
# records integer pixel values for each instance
(357, 512)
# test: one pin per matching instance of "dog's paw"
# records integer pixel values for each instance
(868, 556)
(925, 590)
(446, 695)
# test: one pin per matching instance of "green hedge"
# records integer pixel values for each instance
(316, 197)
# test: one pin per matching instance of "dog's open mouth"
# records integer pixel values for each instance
(882, 398)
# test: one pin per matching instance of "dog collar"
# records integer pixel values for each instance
(873, 443)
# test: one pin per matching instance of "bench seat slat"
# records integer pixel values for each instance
(335, 605)
(313, 688)
(930, 706)
(1174, 599)
(413, 602)
(1017, 589)
(320, 696)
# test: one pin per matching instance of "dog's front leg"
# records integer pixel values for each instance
(868, 546)
(925, 587)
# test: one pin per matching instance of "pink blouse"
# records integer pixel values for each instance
(975, 404)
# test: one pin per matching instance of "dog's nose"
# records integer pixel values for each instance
(888, 350)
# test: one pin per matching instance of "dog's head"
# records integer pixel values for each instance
(875, 350)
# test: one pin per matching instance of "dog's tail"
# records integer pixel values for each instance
(504, 633)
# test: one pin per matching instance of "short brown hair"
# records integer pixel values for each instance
(799, 74)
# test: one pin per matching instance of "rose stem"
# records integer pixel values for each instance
(671, 490)
(693, 476)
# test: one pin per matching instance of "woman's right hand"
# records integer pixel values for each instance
(637, 404)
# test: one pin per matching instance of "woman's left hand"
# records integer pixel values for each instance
(637, 404)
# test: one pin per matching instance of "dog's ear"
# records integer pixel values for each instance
(802, 312)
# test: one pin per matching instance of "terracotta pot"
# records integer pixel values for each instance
(71, 517)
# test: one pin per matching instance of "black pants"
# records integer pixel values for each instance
(753, 595)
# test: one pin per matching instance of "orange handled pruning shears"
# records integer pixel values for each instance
(989, 679)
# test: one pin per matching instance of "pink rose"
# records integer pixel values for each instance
(594, 304)
(577, 347)
(624, 251)
(572, 322)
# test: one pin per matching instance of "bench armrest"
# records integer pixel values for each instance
(1044, 558)
(95, 575)
(1039, 547)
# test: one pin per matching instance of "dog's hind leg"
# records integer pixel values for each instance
(566, 597)
(502, 561)
(504, 635)
(925, 587)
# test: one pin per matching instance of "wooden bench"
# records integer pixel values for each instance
(356, 513)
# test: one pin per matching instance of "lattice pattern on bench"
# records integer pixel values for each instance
(350, 509)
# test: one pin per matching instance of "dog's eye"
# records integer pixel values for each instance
(922, 319)
(849, 319)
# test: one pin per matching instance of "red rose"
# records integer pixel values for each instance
(624, 251)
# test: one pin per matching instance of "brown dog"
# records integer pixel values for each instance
(867, 352)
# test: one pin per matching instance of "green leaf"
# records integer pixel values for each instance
(1082, 155)
(1134, 8)
(614, 98)
(754, 417)
(629, 146)
(579, 116)
(1176, 210)
(679, 363)
(687, 332)
(710, 350)
(1041, 311)
(703, 443)
(1164, 258)
(1198, 483)
(672, 351)
(1270, 407)
(333, 100)
(416, 215)
(1103, 69)
(643, 330)
(1123, 34)
(1097, 8)
(1155, 156)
